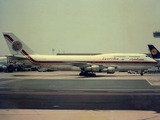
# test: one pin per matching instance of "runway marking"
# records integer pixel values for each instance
(147, 80)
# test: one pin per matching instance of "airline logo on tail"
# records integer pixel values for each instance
(153, 51)
(17, 46)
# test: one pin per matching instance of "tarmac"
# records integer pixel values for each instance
(65, 95)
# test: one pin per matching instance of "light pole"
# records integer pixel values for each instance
(53, 51)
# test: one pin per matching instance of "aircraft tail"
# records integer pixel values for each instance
(154, 52)
(16, 46)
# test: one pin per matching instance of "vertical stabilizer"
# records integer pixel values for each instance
(16, 46)
(154, 52)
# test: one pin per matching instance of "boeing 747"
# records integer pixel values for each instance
(88, 65)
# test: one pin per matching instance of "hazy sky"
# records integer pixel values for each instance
(81, 26)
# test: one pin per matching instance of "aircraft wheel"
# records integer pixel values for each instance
(91, 74)
(82, 74)
(141, 73)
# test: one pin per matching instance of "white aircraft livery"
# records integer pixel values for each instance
(88, 65)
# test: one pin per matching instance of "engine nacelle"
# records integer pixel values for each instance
(93, 68)
(111, 70)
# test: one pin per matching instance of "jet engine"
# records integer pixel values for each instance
(111, 70)
(93, 68)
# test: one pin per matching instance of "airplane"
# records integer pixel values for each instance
(88, 65)
(155, 54)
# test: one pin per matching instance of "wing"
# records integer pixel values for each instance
(91, 67)
(84, 65)
(81, 64)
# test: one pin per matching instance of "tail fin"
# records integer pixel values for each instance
(154, 52)
(16, 46)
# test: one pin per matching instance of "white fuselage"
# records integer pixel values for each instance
(122, 61)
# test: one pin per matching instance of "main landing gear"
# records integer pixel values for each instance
(141, 73)
(84, 73)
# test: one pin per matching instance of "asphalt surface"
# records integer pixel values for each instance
(66, 90)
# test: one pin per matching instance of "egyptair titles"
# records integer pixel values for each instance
(132, 59)
(137, 59)
(104, 58)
